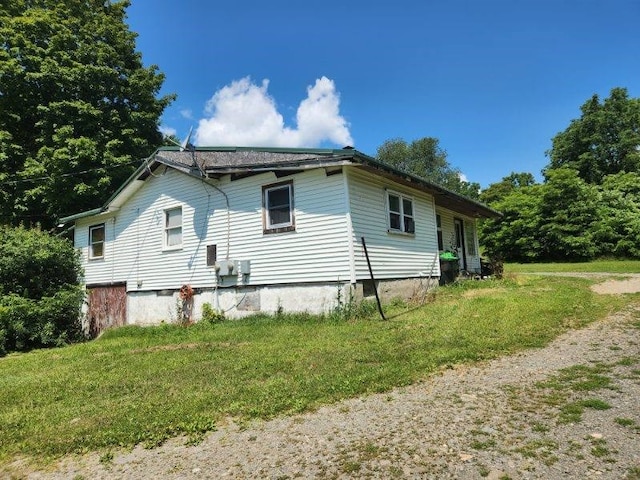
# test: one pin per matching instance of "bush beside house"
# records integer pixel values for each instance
(40, 296)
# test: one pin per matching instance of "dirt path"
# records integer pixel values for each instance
(494, 421)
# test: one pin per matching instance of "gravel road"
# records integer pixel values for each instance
(495, 420)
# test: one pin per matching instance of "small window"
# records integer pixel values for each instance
(96, 241)
(173, 228)
(439, 224)
(278, 207)
(400, 213)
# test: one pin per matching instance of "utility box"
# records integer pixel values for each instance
(245, 267)
(226, 268)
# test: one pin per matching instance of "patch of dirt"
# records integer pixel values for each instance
(498, 419)
(613, 287)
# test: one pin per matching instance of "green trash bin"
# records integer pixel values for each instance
(449, 268)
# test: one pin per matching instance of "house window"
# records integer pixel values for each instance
(400, 213)
(277, 205)
(439, 225)
(173, 227)
(96, 241)
(469, 235)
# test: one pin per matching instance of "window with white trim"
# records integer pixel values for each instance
(400, 210)
(469, 235)
(96, 241)
(173, 227)
(277, 202)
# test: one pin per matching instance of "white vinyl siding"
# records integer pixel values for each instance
(316, 251)
(392, 256)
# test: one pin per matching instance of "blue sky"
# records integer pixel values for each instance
(494, 80)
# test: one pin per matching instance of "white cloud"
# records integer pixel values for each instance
(463, 177)
(244, 114)
(186, 113)
(167, 131)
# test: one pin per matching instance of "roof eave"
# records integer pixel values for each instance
(456, 201)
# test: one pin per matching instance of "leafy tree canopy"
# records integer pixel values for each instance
(77, 106)
(565, 219)
(566, 215)
(605, 140)
(425, 158)
(616, 231)
(497, 191)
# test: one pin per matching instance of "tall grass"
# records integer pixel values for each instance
(597, 266)
(144, 385)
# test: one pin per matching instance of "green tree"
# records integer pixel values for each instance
(616, 232)
(567, 215)
(514, 236)
(77, 107)
(425, 158)
(604, 140)
(497, 191)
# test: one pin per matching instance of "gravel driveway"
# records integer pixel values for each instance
(502, 419)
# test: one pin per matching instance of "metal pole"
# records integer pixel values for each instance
(375, 289)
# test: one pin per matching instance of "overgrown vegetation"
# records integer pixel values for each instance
(144, 385)
(40, 298)
(589, 204)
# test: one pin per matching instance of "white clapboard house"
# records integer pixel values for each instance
(265, 229)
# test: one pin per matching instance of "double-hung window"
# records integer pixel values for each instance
(173, 227)
(400, 209)
(96, 242)
(277, 201)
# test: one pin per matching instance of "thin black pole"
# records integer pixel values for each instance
(375, 289)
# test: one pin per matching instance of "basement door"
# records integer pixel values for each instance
(107, 307)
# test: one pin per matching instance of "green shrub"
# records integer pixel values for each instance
(40, 298)
(34, 264)
(49, 322)
(211, 315)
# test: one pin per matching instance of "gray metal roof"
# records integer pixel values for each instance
(214, 162)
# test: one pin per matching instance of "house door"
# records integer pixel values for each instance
(107, 307)
(460, 248)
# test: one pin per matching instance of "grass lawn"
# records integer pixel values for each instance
(144, 385)
(611, 266)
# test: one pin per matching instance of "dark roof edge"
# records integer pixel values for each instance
(315, 151)
(64, 220)
(426, 183)
(342, 154)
